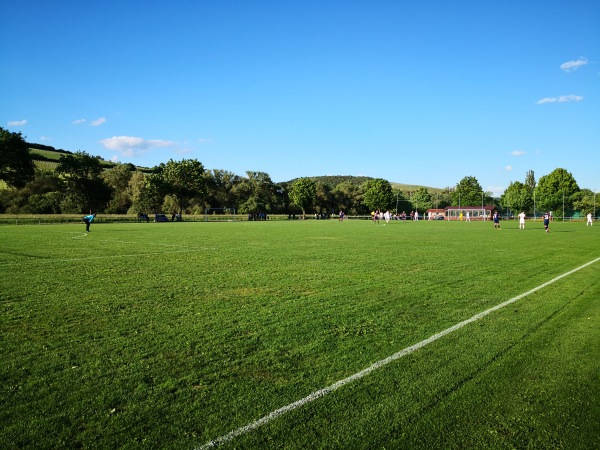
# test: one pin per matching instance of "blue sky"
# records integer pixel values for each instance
(423, 92)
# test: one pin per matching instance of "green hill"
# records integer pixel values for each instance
(46, 157)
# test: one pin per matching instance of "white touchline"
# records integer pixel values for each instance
(323, 392)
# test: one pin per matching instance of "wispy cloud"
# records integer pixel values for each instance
(98, 122)
(496, 191)
(78, 121)
(45, 138)
(508, 168)
(16, 123)
(134, 146)
(561, 99)
(573, 65)
(517, 153)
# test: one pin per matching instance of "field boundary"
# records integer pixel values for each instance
(377, 365)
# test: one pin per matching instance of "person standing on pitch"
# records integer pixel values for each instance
(547, 221)
(589, 220)
(496, 218)
(521, 220)
(87, 220)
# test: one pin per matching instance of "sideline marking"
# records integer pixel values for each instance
(323, 392)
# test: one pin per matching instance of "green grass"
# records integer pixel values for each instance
(171, 335)
(46, 165)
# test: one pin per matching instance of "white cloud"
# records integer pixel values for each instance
(134, 146)
(45, 138)
(78, 121)
(496, 191)
(517, 153)
(205, 141)
(98, 122)
(561, 99)
(508, 168)
(573, 65)
(569, 98)
(16, 123)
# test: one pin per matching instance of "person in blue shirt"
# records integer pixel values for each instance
(87, 220)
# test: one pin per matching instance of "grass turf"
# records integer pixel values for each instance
(170, 335)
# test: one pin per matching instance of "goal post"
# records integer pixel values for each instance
(220, 215)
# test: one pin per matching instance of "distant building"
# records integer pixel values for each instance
(434, 214)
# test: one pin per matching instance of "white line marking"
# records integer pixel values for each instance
(323, 392)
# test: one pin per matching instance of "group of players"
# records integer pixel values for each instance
(547, 218)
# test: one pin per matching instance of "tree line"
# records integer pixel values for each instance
(81, 183)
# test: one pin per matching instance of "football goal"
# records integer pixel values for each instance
(220, 215)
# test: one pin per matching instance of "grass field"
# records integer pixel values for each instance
(173, 335)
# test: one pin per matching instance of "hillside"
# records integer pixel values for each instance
(46, 157)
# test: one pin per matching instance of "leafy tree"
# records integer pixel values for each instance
(135, 187)
(324, 201)
(117, 179)
(303, 193)
(257, 193)
(41, 195)
(16, 164)
(378, 194)
(80, 174)
(402, 200)
(152, 194)
(421, 199)
(348, 197)
(518, 197)
(555, 187)
(585, 201)
(468, 192)
(221, 188)
(183, 180)
(530, 180)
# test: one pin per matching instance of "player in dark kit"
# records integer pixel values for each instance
(547, 221)
(496, 218)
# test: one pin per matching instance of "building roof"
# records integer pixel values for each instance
(486, 207)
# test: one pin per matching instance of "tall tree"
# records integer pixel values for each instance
(555, 189)
(221, 188)
(183, 180)
(518, 197)
(530, 180)
(16, 164)
(585, 201)
(117, 179)
(80, 174)
(348, 197)
(152, 194)
(378, 194)
(303, 193)
(324, 202)
(468, 192)
(257, 192)
(421, 199)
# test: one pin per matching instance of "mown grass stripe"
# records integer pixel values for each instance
(377, 365)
